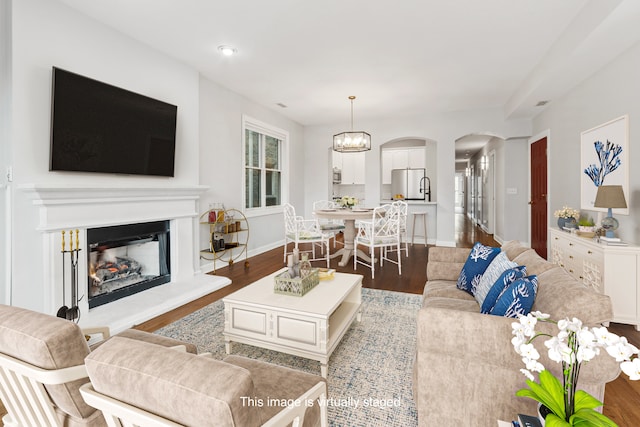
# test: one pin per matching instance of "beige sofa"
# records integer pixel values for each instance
(466, 372)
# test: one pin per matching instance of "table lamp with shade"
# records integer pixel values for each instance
(610, 197)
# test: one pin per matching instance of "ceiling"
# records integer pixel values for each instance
(468, 145)
(399, 58)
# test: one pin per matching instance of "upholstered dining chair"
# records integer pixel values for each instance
(383, 231)
(138, 383)
(329, 226)
(304, 231)
(42, 368)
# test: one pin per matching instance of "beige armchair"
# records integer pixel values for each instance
(42, 369)
(138, 383)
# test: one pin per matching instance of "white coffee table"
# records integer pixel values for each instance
(310, 326)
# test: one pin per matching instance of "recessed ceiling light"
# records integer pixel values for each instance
(227, 50)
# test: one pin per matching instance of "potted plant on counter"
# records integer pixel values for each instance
(586, 226)
(567, 217)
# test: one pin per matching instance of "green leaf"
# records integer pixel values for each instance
(549, 392)
(591, 418)
(584, 400)
(552, 420)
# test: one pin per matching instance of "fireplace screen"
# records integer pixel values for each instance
(127, 259)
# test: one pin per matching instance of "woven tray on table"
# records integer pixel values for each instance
(297, 286)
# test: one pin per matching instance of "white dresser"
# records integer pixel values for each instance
(612, 270)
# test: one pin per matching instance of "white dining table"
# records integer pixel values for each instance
(349, 216)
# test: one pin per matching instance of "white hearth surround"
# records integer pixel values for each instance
(88, 207)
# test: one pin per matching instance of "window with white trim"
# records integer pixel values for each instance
(264, 153)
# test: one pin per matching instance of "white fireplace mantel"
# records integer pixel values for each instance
(83, 207)
(94, 206)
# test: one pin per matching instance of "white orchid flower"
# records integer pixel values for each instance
(517, 341)
(563, 336)
(528, 323)
(527, 374)
(540, 315)
(586, 354)
(533, 365)
(528, 351)
(632, 369)
(517, 328)
(570, 325)
(622, 350)
(604, 337)
(586, 338)
(559, 351)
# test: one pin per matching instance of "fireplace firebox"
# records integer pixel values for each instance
(126, 259)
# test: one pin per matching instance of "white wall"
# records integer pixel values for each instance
(442, 128)
(514, 191)
(221, 164)
(46, 34)
(610, 93)
(511, 187)
(5, 148)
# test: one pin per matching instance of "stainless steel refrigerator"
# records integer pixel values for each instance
(413, 184)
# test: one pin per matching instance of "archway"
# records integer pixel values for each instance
(412, 152)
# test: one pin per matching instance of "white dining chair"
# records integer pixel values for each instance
(383, 231)
(298, 230)
(403, 208)
(329, 226)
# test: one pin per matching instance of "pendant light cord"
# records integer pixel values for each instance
(352, 98)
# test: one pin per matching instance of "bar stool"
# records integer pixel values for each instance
(424, 222)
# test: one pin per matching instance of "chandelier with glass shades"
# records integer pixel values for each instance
(352, 141)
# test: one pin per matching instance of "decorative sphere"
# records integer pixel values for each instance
(610, 223)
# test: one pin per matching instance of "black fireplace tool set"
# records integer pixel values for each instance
(73, 312)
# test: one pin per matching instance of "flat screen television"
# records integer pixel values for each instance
(97, 127)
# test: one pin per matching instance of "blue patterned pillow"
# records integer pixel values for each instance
(479, 259)
(517, 299)
(502, 283)
(499, 265)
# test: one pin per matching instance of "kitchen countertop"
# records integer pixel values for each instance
(410, 202)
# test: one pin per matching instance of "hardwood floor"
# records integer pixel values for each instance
(622, 400)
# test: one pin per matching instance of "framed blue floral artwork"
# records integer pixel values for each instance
(604, 160)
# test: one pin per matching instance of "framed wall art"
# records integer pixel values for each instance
(604, 160)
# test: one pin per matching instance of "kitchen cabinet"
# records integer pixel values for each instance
(387, 158)
(612, 270)
(353, 168)
(416, 158)
(336, 159)
(401, 159)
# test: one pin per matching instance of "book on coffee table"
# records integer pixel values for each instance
(528, 421)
